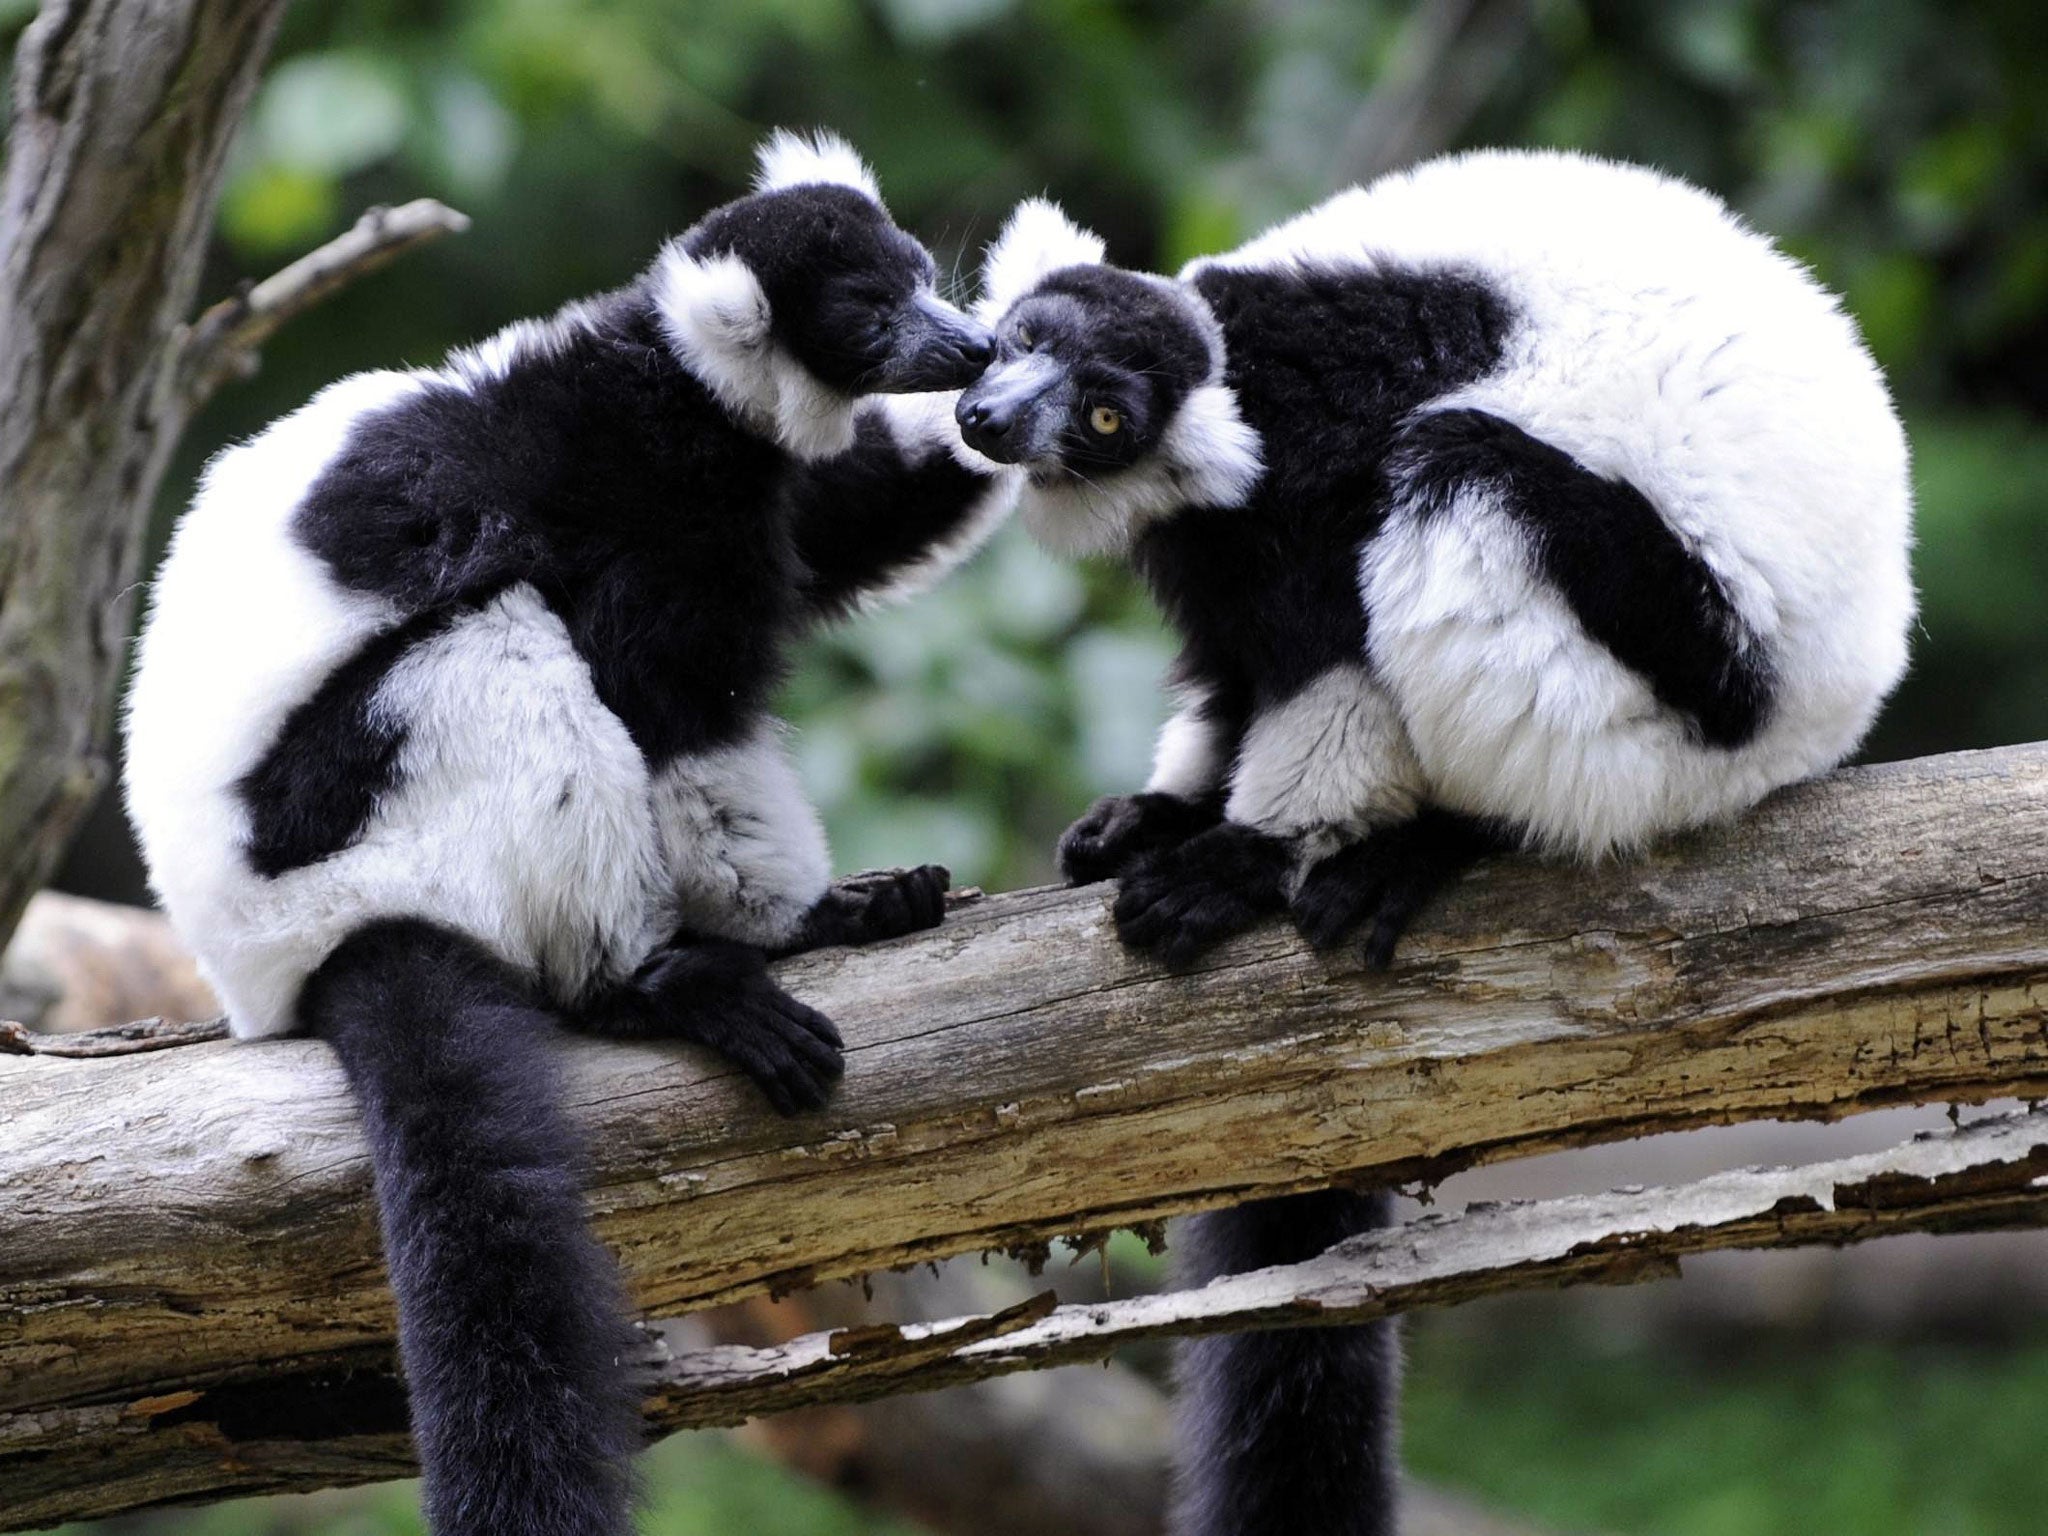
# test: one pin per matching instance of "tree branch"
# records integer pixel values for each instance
(1982, 1176)
(222, 343)
(192, 1225)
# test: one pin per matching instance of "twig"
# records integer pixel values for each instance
(222, 343)
(123, 1040)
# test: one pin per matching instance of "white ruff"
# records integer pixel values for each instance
(716, 317)
(790, 159)
(1038, 239)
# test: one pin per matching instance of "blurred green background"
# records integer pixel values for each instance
(1900, 148)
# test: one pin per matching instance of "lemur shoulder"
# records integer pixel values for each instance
(450, 727)
(1521, 499)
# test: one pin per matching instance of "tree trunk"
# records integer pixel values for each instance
(122, 116)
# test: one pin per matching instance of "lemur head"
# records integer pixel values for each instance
(1106, 388)
(796, 300)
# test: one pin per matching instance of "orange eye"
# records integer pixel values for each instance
(1106, 422)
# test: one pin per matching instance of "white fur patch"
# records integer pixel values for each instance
(717, 319)
(791, 159)
(1326, 766)
(521, 817)
(493, 357)
(1037, 240)
(1191, 758)
(922, 425)
(1208, 457)
(744, 850)
(243, 625)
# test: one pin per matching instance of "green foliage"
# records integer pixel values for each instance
(698, 1485)
(1766, 1441)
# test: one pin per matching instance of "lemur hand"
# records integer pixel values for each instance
(718, 993)
(875, 905)
(1387, 879)
(1178, 901)
(1118, 828)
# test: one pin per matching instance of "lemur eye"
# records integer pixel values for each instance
(1105, 421)
(1024, 338)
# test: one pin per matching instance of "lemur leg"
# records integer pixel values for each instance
(1562, 656)
(874, 905)
(1184, 797)
(1388, 878)
(718, 993)
(749, 860)
(1312, 774)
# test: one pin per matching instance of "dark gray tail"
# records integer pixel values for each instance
(1293, 1432)
(511, 1327)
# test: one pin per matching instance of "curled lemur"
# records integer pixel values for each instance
(1518, 499)
(450, 727)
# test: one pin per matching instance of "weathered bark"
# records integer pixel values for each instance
(195, 1220)
(123, 112)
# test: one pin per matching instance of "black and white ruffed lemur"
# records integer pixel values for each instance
(450, 729)
(1517, 500)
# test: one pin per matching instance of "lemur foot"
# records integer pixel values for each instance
(1178, 901)
(1118, 828)
(1387, 879)
(874, 905)
(719, 994)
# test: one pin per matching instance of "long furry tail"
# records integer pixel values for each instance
(1293, 1432)
(512, 1330)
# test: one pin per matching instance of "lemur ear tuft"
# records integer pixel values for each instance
(789, 159)
(1038, 239)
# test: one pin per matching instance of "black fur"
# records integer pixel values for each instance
(842, 284)
(1117, 829)
(1182, 898)
(1388, 877)
(607, 476)
(662, 530)
(1634, 586)
(1265, 596)
(716, 993)
(511, 1324)
(312, 792)
(1295, 1431)
(1291, 1433)
(875, 905)
(1122, 342)
(680, 549)
(865, 516)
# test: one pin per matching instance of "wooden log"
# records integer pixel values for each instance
(190, 1300)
